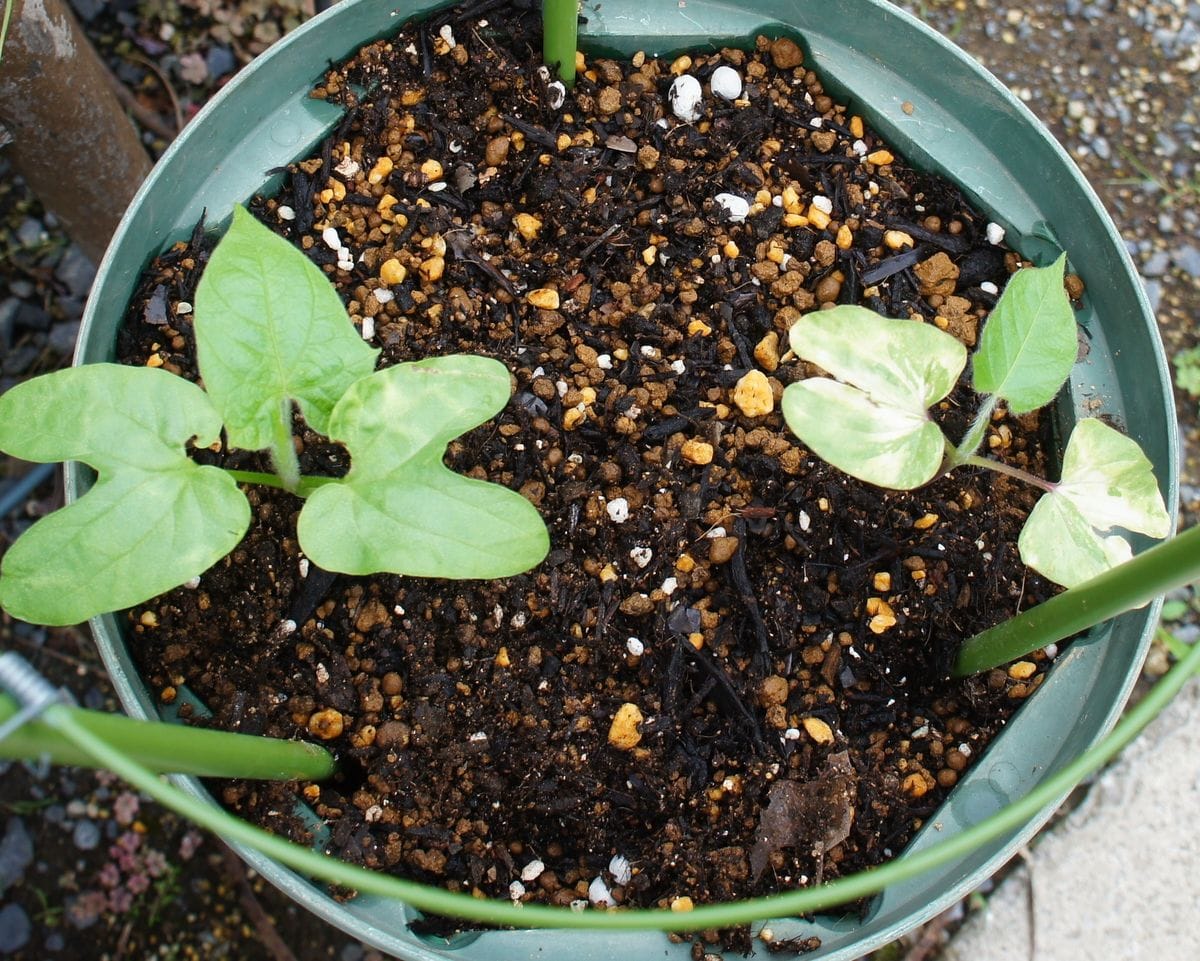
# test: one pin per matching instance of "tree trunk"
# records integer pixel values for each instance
(72, 142)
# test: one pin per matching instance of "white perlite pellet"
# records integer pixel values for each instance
(686, 98)
(735, 207)
(726, 83)
(995, 234)
(599, 893)
(618, 510)
(620, 869)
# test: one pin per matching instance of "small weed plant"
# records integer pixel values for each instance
(870, 418)
(271, 335)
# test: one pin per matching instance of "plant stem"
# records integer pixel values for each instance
(560, 32)
(173, 748)
(1152, 573)
(973, 438)
(8, 9)
(307, 484)
(844, 890)
(1001, 468)
(283, 450)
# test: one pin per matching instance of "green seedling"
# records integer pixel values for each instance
(271, 334)
(871, 420)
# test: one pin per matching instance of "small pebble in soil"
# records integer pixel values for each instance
(516, 890)
(624, 734)
(753, 394)
(995, 234)
(16, 853)
(687, 98)
(86, 835)
(15, 928)
(635, 647)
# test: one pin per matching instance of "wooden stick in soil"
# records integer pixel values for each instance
(72, 142)
(171, 748)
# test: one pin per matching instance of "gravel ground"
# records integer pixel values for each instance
(88, 869)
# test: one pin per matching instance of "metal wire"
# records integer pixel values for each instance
(32, 692)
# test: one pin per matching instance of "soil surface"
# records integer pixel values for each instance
(730, 676)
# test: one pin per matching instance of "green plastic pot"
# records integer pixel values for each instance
(945, 113)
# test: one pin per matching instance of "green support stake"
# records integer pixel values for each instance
(1151, 574)
(560, 29)
(162, 748)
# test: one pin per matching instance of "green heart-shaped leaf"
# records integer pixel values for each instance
(1106, 475)
(1058, 542)
(154, 518)
(886, 446)
(400, 508)
(270, 330)
(1028, 346)
(1106, 482)
(874, 425)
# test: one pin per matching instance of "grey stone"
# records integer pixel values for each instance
(20, 287)
(86, 835)
(55, 941)
(1187, 259)
(16, 853)
(1157, 265)
(31, 233)
(75, 271)
(18, 361)
(88, 10)
(15, 928)
(1153, 294)
(63, 336)
(220, 61)
(1101, 148)
(8, 318)
(1167, 145)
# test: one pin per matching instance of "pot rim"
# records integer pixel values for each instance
(895, 123)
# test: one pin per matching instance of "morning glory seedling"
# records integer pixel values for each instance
(871, 418)
(271, 333)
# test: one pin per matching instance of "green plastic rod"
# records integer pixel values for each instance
(560, 33)
(1151, 574)
(850, 888)
(170, 748)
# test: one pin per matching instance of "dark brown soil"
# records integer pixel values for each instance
(794, 628)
